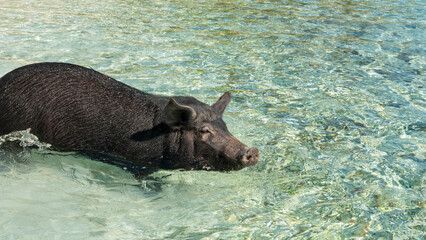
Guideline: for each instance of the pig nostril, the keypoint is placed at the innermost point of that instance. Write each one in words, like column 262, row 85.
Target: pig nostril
column 251, row 157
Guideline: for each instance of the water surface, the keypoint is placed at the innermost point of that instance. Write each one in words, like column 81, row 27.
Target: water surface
column 331, row 92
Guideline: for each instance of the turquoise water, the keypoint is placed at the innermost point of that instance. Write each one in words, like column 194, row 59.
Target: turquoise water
column 331, row 92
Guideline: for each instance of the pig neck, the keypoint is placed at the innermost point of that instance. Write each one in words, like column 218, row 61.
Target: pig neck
column 170, row 139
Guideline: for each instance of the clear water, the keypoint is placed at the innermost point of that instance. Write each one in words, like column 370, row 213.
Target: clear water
column 331, row 92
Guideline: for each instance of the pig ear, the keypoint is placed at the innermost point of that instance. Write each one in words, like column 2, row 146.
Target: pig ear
column 223, row 101
column 175, row 113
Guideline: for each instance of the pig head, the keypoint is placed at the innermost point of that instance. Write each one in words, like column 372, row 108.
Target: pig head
column 196, row 137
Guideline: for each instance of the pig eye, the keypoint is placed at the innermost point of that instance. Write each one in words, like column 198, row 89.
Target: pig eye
column 205, row 129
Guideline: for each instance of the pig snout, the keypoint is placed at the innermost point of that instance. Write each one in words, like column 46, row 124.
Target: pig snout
column 250, row 156
column 241, row 154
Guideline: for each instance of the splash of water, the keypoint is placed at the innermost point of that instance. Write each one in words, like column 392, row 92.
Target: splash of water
column 25, row 138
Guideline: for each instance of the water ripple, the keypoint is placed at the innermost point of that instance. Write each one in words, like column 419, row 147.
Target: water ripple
column 331, row 92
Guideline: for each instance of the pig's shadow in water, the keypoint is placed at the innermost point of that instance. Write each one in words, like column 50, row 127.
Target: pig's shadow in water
column 138, row 171
column 148, row 183
column 12, row 153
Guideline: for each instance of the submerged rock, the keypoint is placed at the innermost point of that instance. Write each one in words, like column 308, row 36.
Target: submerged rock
column 418, row 126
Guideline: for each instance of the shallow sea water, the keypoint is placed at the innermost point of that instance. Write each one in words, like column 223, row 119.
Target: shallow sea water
column 331, row 92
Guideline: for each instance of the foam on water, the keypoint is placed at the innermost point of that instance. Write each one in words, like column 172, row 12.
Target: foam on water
column 25, row 139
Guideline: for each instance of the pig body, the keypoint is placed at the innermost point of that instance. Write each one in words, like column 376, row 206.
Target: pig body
column 79, row 109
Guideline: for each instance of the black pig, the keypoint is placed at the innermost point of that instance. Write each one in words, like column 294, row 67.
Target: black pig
column 78, row 109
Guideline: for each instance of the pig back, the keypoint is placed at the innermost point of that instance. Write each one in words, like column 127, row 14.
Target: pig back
column 72, row 107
